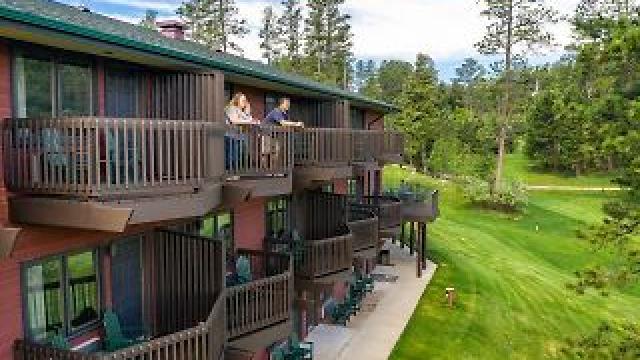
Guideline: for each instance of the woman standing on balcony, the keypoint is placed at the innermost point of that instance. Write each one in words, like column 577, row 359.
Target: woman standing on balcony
column 238, row 115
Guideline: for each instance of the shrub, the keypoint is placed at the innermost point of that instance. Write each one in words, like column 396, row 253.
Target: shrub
column 511, row 196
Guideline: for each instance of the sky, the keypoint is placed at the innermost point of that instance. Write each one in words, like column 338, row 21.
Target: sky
column 446, row 30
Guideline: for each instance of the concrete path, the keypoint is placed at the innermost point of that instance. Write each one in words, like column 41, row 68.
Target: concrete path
column 573, row 188
column 373, row 332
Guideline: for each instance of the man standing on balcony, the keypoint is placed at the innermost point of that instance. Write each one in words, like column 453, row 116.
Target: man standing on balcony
column 271, row 150
column 280, row 115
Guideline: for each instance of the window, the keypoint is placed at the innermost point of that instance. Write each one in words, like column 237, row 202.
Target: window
column 278, row 220
column 328, row 188
column 62, row 295
column 357, row 119
column 47, row 85
column 270, row 103
column 228, row 91
column 219, row 225
column 355, row 187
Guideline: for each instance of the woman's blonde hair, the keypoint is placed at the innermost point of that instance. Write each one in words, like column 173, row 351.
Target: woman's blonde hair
column 235, row 100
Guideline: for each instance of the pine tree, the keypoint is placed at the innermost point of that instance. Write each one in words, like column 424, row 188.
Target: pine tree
column 214, row 23
column 512, row 23
column 289, row 24
column 269, row 35
column 328, row 41
column 594, row 18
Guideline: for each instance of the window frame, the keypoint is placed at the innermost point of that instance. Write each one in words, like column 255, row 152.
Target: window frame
column 56, row 59
column 282, row 210
column 67, row 330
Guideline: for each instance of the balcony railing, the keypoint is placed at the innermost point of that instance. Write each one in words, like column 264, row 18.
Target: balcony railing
column 364, row 228
column 265, row 301
column 325, row 257
column 323, row 146
column 335, row 146
column 99, row 157
column 387, row 208
column 253, row 151
column 204, row 341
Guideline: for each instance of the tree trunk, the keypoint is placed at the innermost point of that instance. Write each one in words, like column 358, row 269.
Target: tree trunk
column 502, row 136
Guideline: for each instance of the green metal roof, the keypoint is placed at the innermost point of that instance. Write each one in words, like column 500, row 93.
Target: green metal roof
column 53, row 16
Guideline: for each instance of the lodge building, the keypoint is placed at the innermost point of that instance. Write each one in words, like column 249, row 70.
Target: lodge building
column 128, row 230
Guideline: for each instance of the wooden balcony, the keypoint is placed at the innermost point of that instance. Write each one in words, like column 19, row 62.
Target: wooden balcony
column 364, row 227
column 388, row 209
column 326, row 257
column 258, row 162
column 324, row 154
column 205, row 341
column 259, row 313
column 109, row 172
column 423, row 207
column 186, row 304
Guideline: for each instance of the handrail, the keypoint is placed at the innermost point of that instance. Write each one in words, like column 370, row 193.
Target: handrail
column 364, row 228
column 325, row 257
column 387, row 208
column 260, row 303
column 258, row 150
column 323, row 146
column 101, row 156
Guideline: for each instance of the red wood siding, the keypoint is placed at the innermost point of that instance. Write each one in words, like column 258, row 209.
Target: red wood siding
column 256, row 99
column 10, row 306
column 5, row 112
column 249, row 224
column 340, row 186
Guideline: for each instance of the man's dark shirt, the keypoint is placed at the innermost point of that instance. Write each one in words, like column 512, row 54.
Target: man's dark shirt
column 275, row 117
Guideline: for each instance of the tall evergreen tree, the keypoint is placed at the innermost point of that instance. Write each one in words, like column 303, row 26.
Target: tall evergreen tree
column 269, row 35
column 289, row 27
column 214, row 23
column 513, row 23
column 328, row 41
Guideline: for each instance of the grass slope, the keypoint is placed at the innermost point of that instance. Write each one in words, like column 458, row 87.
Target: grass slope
column 510, row 278
column 517, row 166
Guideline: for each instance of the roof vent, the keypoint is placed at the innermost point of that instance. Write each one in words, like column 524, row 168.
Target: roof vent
column 173, row 29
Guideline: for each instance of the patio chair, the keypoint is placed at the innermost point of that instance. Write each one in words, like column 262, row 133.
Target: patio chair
column 338, row 314
column 299, row 350
column 243, row 270
column 114, row 339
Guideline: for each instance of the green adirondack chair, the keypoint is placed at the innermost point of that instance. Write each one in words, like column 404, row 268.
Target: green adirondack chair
column 300, row 350
column 278, row 354
column 114, row 340
column 243, row 270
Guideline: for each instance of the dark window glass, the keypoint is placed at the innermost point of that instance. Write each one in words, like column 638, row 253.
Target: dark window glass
column 228, row 91
column 122, row 89
column 74, row 90
column 44, row 299
column 270, row 103
column 82, row 289
column 34, row 85
column 55, row 282
column 357, row 119
column 278, row 219
column 45, row 86
column 355, row 187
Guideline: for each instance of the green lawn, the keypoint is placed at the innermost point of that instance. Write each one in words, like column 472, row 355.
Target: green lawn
column 517, row 166
column 510, row 278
